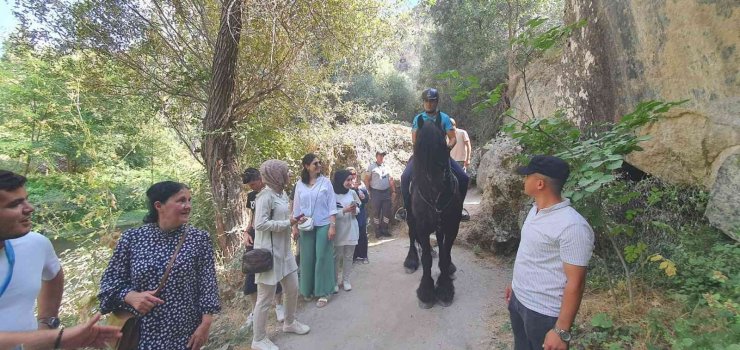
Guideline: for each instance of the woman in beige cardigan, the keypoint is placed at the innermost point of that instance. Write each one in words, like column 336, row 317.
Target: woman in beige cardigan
column 272, row 224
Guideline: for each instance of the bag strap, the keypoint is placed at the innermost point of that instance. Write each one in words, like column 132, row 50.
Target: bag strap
column 272, row 212
column 170, row 264
column 313, row 207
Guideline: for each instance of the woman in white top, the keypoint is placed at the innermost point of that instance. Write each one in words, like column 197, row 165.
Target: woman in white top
column 314, row 197
column 272, row 225
column 348, row 230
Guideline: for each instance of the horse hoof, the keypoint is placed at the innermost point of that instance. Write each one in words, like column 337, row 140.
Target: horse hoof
column 425, row 306
column 445, row 303
column 410, row 270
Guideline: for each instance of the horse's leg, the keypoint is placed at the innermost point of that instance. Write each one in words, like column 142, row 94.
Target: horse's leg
column 425, row 292
column 445, row 290
column 440, row 244
column 442, row 240
column 412, row 258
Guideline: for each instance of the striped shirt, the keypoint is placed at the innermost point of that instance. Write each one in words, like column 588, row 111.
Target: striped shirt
column 550, row 237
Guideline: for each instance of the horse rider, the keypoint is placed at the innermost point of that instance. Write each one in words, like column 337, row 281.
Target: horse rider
column 431, row 114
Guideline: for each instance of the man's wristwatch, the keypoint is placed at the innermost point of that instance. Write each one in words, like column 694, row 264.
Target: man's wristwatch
column 51, row 322
column 563, row 334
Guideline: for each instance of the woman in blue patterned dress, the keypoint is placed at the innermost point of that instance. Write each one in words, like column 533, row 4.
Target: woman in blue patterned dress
column 180, row 316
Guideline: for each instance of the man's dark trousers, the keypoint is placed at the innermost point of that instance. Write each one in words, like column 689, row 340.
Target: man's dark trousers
column 380, row 204
column 529, row 327
column 462, row 178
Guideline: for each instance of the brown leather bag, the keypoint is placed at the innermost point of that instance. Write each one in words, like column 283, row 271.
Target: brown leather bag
column 257, row 260
column 131, row 324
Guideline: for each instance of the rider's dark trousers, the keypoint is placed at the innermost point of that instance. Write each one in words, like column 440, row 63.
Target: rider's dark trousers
column 462, row 179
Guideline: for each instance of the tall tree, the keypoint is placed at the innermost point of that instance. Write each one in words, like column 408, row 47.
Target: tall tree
column 213, row 65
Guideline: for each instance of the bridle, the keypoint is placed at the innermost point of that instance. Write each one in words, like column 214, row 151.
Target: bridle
column 434, row 204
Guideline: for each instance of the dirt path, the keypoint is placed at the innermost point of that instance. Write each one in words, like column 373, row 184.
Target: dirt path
column 381, row 311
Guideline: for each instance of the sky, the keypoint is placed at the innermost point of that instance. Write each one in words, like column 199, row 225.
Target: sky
column 7, row 20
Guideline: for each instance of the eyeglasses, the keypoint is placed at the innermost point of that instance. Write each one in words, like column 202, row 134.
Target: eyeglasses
column 318, row 162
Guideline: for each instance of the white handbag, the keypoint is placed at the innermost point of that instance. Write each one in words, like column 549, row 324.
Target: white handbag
column 306, row 225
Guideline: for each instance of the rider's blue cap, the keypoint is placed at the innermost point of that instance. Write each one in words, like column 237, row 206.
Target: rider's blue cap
column 430, row 94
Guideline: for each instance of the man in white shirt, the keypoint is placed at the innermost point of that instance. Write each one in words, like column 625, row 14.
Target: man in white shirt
column 463, row 150
column 550, row 266
column 382, row 194
column 29, row 268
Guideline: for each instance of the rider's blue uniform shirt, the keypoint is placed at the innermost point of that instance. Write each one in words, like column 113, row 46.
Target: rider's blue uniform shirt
column 446, row 122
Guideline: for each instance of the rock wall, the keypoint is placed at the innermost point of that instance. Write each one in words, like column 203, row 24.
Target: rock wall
column 632, row 51
column 723, row 210
column 639, row 50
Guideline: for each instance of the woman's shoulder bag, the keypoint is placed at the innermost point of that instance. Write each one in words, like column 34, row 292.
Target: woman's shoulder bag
column 258, row 260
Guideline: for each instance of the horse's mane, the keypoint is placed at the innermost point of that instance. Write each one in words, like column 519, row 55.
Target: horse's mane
column 430, row 152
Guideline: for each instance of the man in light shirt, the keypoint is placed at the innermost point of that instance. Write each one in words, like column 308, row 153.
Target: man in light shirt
column 462, row 151
column 29, row 268
column 382, row 193
column 550, row 266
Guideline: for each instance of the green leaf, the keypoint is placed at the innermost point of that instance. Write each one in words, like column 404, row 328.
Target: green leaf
column 602, row 320
column 614, row 165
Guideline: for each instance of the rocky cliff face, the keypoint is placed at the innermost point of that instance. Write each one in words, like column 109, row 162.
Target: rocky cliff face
column 632, row 51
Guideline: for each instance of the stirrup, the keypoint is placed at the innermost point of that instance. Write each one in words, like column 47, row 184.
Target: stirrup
column 400, row 214
column 465, row 215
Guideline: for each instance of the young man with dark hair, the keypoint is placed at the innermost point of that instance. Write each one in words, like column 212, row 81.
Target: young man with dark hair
column 29, row 268
column 550, row 266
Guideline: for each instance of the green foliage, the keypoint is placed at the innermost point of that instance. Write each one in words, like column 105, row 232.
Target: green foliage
column 602, row 320
column 533, row 41
column 389, row 90
column 473, row 39
column 83, row 269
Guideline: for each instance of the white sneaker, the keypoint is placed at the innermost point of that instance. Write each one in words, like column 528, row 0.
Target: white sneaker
column 347, row 286
column 264, row 344
column 336, row 288
column 250, row 321
column 280, row 312
column 296, row 327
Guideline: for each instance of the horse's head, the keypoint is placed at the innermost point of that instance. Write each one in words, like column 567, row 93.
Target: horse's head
column 431, row 155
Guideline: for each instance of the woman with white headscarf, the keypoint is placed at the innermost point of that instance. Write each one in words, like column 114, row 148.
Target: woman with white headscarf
column 272, row 223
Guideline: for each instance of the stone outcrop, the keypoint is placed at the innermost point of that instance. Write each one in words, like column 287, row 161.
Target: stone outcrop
column 503, row 208
column 356, row 146
column 723, row 210
column 632, row 51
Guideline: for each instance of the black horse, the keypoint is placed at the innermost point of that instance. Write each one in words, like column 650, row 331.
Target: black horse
column 436, row 206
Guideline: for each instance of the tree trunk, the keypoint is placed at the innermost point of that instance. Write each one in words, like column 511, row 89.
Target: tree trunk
column 219, row 146
column 512, row 18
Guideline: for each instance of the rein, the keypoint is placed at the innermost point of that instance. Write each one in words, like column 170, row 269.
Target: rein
column 433, row 204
